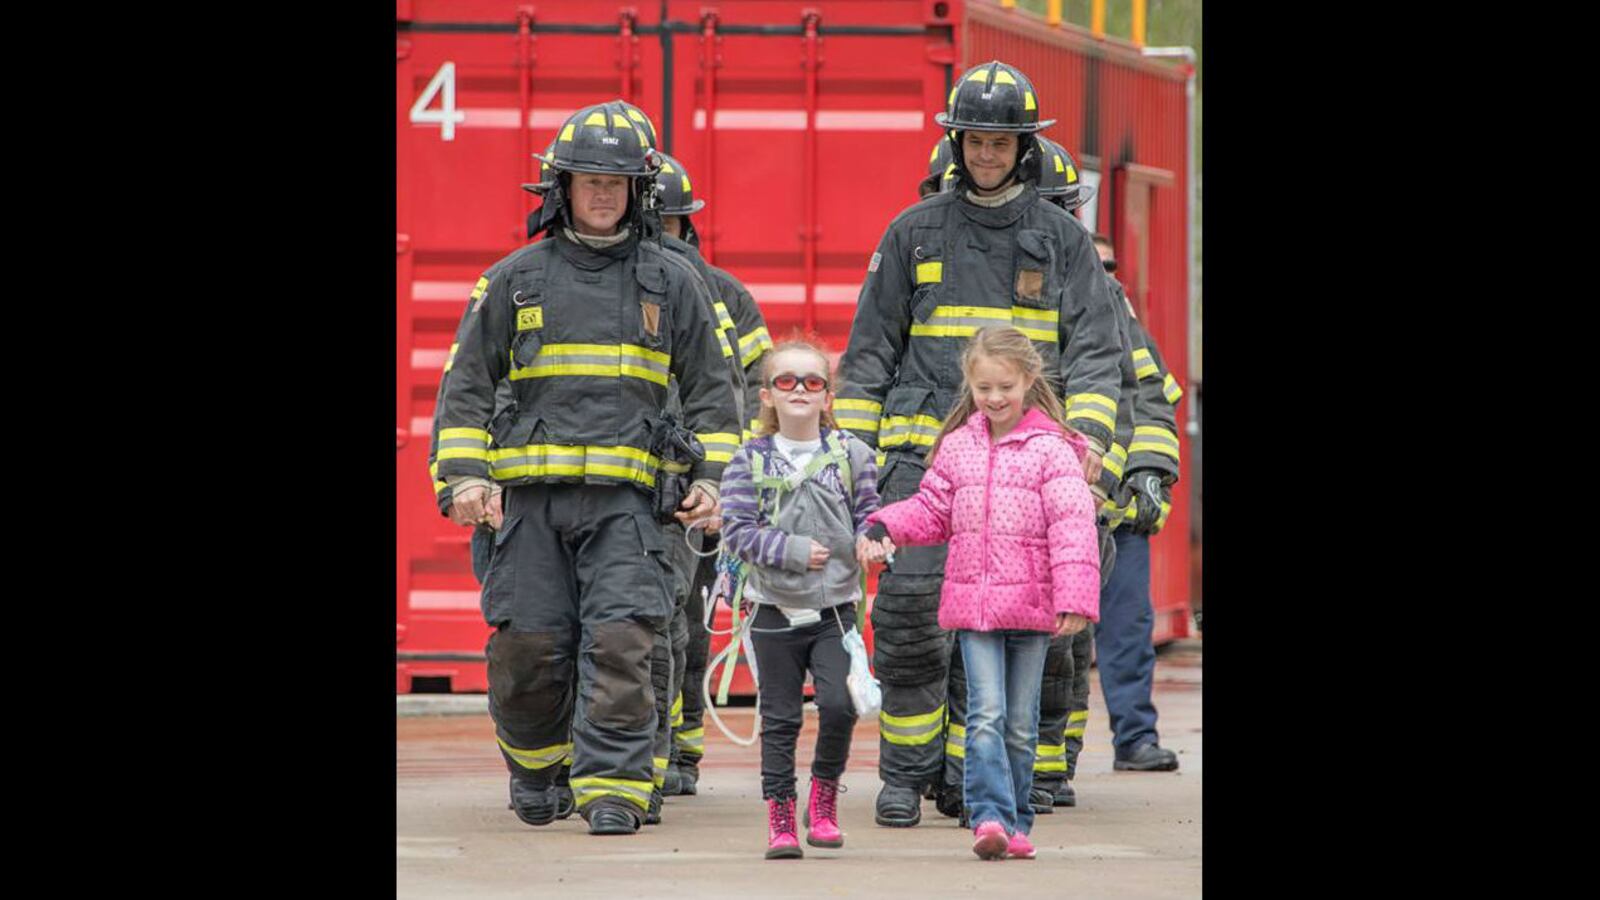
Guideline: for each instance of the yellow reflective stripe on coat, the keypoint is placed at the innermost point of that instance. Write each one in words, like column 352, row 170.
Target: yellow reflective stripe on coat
column 1154, row 439
column 540, row 758
column 719, row 447
column 462, row 443
column 911, row 730
column 862, row 415
column 604, row 360
column 1143, row 365
column 919, row 430
column 1094, row 407
column 588, row 790
column 547, row 460
column 723, row 319
column 1170, row 389
column 964, row 321
column 450, row 358
column 1115, row 460
column 479, row 289
column 752, row 345
column 433, row 473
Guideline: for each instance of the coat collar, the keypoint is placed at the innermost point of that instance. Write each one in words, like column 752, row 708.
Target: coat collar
column 1033, row 422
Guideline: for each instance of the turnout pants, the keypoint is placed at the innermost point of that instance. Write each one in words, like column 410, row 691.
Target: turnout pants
column 666, row 660
column 689, row 739
column 911, row 654
column 576, row 590
column 1078, row 718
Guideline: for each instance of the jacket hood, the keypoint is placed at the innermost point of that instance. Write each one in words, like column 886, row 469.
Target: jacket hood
column 1034, row 422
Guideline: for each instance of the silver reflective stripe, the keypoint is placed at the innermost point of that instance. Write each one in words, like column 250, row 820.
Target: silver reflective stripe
column 910, row 730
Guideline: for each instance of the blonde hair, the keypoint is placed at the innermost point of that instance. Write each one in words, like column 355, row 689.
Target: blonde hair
column 769, row 413
column 1008, row 345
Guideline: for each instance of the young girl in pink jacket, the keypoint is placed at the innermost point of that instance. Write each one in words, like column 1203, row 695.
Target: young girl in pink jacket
column 1005, row 488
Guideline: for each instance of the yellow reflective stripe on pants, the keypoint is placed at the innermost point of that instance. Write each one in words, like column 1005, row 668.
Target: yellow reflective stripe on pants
column 955, row 741
column 911, row 730
column 542, row 460
column 1154, row 439
column 1094, row 407
column 897, row 430
column 658, row 769
column 1170, row 389
column 1050, row 758
column 603, row 360
column 588, row 790
column 539, row 758
column 693, row 739
column 675, row 712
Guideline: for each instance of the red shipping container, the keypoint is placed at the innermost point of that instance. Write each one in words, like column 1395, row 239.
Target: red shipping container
column 805, row 126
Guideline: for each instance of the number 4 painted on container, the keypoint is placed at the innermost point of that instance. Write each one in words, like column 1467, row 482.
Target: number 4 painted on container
column 446, row 115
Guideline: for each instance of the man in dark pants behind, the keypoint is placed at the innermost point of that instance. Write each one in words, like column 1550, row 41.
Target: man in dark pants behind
column 1123, row 637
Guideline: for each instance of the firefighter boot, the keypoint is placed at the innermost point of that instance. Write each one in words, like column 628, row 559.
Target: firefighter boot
column 672, row 784
column 1065, row 795
column 1042, row 801
column 822, row 814
column 949, row 799
column 898, row 807
column 611, row 815
column 688, row 778
column 653, row 815
column 565, row 802
column 533, row 798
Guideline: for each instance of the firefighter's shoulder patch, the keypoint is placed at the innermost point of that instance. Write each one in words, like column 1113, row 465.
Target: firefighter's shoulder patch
column 530, row 317
column 872, row 265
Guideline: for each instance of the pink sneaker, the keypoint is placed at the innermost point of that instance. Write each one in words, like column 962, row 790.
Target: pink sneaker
column 781, row 840
column 990, row 840
column 822, row 814
column 1020, row 847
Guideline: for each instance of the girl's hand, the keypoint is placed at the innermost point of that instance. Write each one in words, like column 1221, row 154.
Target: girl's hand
column 1070, row 623
column 819, row 555
column 865, row 552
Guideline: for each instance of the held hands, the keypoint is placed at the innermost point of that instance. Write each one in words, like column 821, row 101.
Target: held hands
column 1070, row 623
column 1091, row 467
column 698, row 505
column 869, row 551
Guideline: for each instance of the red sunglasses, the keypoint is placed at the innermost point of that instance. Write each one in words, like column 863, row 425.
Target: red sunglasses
column 788, row 380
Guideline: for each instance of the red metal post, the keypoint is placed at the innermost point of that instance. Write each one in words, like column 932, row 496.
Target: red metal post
column 809, row 237
column 525, row 124
column 708, row 73
column 628, row 47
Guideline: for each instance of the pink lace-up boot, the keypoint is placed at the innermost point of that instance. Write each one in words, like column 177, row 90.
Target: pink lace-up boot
column 989, row 840
column 781, row 840
column 822, row 814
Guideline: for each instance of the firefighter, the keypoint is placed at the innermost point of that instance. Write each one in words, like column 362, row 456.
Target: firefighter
column 746, row 332
column 1123, row 640
column 587, row 326
column 988, row 251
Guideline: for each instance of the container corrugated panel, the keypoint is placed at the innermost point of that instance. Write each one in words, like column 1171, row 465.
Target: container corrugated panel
column 1123, row 115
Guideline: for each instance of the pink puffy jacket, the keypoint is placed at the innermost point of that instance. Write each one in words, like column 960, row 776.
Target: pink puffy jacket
column 1019, row 520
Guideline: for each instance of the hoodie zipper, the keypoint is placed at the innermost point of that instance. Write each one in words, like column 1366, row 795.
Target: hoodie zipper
column 988, row 484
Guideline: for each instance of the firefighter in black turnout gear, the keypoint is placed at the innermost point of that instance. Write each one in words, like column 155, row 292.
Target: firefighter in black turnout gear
column 587, row 327
column 989, row 251
column 745, row 340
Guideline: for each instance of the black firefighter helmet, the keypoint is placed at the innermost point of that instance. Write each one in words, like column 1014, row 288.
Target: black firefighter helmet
column 603, row 140
column 993, row 97
column 1058, row 176
column 675, row 194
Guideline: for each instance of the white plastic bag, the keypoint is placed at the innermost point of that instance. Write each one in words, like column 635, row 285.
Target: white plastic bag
column 865, row 695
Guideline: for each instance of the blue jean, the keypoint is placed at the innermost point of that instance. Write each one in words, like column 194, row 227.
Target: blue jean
column 1122, row 644
column 1004, row 670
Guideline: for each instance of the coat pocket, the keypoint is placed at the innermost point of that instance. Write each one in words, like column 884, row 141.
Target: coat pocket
column 1037, row 283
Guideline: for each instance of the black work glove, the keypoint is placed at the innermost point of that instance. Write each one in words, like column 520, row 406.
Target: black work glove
column 1151, row 493
column 876, row 532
